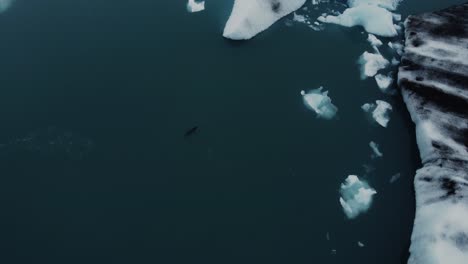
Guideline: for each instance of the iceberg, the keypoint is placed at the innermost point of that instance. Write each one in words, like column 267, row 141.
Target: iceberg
column 374, row 41
column 433, row 78
column 356, row 196
column 194, row 6
column 320, row 103
column 371, row 63
column 384, row 81
column 376, row 153
column 380, row 111
column 374, row 19
column 250, row 17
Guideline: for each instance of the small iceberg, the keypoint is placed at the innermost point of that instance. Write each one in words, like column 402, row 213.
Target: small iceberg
column 376, row 153
column 356, row 196
column 395, row 177
column 195, row 6
column 320, row 103
column 380, row 111
column 371, row 63
column 373, row 17
column 374, row 41
column 384, row 81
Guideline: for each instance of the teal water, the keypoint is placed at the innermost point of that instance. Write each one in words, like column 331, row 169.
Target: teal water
column 95, row 99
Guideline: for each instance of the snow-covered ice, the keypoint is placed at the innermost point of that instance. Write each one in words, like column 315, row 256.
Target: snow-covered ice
column 384, row 81
column 380, row 111
column 320, row 103
column 250, row 17
column 356, row 196
column 195, row 6
column 376, row 153
column 371, row 63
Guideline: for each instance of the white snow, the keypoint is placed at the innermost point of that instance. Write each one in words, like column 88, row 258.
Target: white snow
column 250, row 17
column 384, row 81
column 371, row 63
column 374, row 16
column 195, row 6
column 380, row 111
column 376, row 153
column 356, row 196
column 320, row 103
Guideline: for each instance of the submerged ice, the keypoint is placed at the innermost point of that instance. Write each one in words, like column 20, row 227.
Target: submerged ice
column 320, row 103
column 356, row 196
column 250, row 17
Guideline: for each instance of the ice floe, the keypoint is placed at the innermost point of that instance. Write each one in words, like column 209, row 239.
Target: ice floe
column 195, row 6
column 380, row 111
column 375, row 16
column 384, row 81
column 371, row 63
column 356, row 196
column 374, row 41
column 250, row 17
column 320, row 103
column 376, row 153
column 397, row 47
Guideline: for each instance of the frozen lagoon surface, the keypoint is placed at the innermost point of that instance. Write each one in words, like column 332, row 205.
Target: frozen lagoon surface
column 258, row 183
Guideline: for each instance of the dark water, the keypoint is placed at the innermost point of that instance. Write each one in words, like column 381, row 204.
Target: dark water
column 95, row 98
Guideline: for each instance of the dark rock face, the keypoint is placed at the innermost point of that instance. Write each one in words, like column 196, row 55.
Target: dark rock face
column 433, row 78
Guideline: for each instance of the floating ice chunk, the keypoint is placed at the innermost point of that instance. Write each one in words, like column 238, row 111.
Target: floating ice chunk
column 395, row 62
column 360, row 244
column 195, row 6
column 371, row 63
column 376, row 153
column 356, row 196
column 380, row 111
column 320, row 103
column 300, row 18
column 374, row 41
column 395, row 177
column 384, row 81
column 387, row 4
column 397, row 47
column 396, row 17
column 374, row 19
column 250, row 17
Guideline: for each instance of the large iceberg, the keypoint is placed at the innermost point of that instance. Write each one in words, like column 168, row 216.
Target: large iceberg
column 356, row 196
column 373, row 15
column 250, row 17
column 320, row 103
column 433, row 78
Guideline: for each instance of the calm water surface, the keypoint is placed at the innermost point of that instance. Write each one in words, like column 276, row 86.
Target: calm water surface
column 95, row 99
